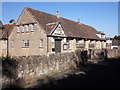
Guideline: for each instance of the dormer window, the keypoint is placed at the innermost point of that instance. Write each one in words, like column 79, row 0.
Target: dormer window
column 22, row 28
column 100, row 34
column 103, row 36
column 26, row 27
column 32, row 27
column 18, row 29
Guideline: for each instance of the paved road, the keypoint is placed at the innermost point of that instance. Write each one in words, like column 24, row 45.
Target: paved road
column 101, row 75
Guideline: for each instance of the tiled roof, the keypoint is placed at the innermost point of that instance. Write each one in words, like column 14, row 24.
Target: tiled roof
column 71, row 28
column 6, row 28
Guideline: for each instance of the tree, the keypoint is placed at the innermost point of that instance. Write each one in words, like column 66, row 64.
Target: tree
column 116, row 37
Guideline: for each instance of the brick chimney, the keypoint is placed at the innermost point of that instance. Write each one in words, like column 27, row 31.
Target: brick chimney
column 58, row 14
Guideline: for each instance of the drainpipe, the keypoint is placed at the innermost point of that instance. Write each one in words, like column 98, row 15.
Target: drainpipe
column 47, row 44
column 7, row 45
column 47, row 39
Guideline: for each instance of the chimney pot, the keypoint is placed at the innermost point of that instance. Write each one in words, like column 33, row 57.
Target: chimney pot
column 58, row 14
column 78, row 21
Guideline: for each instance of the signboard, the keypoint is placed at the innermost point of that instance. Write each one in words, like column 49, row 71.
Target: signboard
column 109, row 43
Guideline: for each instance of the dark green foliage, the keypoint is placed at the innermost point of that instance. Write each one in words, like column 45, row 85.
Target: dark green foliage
column 116, row 37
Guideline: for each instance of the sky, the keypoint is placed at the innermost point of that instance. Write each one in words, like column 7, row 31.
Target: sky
column 103, row 16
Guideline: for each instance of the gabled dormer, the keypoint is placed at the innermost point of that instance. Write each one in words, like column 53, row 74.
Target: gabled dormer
column 101, row 34
column 57, row 30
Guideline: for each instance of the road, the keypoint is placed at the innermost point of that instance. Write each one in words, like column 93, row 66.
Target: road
column 105, row 74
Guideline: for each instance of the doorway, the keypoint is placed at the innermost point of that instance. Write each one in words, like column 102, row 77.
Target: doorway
column 57, row 45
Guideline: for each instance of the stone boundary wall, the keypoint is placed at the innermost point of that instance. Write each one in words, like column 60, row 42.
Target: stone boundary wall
column 103, row 53
column 113, row 53
column 25, row 70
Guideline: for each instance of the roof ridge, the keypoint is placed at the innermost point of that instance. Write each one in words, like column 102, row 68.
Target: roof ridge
column 50, row 14
column 39, row 11
column 8, row 24
column 67, row 23
column 70, row 20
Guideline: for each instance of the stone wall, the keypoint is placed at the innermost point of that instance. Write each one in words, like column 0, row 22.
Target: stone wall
column 113, row 53
column 25, row 70
column 97, row 54
column 29, row 69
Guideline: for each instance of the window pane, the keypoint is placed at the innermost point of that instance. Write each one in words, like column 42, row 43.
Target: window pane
column 25, row 43
column 77, row 42
column 18, row 29
column 4, row 44
column 22, row 28
column 32, row 27
column 26, row 26
column 41, row 42
column 68, row 44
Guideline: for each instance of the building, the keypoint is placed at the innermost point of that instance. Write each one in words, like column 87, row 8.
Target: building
column 108, row 43
column 115, row 44
column 38, row 33
column 5, row 32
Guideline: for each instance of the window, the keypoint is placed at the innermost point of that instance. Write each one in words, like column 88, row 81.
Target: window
column 102, row 36
column 32, row 27
column 18, row 29
column 41, row 43
column 26, row 27
column 4, row 44
column 84, row 43
column 77, row 42
column 25, row 43
column 22, row 29
column 92, row 44
column 12, row 43
column 68, row 44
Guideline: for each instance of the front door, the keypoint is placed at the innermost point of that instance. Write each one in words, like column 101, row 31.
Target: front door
column 57, row 45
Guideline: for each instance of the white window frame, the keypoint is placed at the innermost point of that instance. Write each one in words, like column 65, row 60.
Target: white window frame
column 18, row 29
column 27, row 28
column 68, row 42
column 77, row 42
column 41, row 43
column 22, row 28
column 32, row 27
column 85, row 43
column 4, row 46
column 26, row 43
